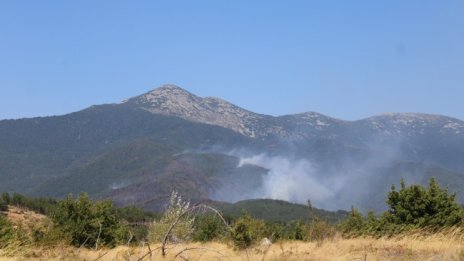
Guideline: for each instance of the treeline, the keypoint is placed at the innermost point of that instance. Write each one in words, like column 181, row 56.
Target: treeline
column 40, row 205
column 411, row 208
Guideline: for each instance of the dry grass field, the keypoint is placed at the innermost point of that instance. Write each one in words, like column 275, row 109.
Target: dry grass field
column 412, row 247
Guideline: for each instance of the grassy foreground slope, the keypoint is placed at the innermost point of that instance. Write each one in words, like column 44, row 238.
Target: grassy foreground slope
column 413, row 247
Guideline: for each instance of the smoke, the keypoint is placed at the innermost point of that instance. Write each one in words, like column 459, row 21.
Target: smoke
column 290, row 180
column 299, row 180
column 340, row 183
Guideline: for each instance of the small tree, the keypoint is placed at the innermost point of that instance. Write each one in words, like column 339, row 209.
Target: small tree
column 247, row 231
column 354, row 223
column 86, row 222
column 419, row 206
column 241, row 232
column 208, row 227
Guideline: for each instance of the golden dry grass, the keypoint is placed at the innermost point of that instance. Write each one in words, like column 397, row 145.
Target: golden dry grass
column 412, row 247
column 23, row 218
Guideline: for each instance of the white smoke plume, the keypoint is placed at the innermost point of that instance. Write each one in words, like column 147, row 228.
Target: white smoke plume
column 294, row 181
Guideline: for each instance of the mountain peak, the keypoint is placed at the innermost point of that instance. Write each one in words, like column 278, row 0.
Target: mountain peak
column 169, row 88
column 163, row 96
column 168, row 91
column 172, row 100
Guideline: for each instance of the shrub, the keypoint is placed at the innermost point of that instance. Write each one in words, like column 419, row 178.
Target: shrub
column 410, row 208
column 208, row 227
column 247, row 231
column 354, row 224
column 415, row 205
column 321, row 230
column 87, row 223
column 6, row 231
column 241, row 232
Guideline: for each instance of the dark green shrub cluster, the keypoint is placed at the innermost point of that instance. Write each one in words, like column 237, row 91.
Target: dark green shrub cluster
column 88, row 223
column 412, row 207
column 209, row 227
column 245, row 231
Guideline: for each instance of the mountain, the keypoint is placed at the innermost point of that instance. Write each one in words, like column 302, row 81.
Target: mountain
column 138, row 150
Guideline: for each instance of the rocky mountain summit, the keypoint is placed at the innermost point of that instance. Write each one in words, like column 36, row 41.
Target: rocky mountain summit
column 172, row 100
column 175, row 101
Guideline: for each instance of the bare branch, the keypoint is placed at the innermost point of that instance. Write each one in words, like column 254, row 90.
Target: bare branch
column 98, row 237
column 148, row 253
column 198, row 248
column 101, row 255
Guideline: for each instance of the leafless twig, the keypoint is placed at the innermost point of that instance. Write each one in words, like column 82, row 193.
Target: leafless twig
column 98, row 237
column 100, row 256
column 81, row 246
column 148, row 253
column 198, row 248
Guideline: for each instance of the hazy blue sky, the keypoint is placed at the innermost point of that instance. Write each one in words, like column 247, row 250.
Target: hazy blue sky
column 346, row 59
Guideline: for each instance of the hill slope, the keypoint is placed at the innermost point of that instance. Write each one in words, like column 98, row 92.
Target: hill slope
column 138, row 150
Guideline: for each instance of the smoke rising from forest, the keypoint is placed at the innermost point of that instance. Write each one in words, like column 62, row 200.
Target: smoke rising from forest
column 295, row 179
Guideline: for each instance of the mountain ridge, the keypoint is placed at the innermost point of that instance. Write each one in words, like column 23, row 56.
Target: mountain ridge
column 130, row 151
column 172, row 100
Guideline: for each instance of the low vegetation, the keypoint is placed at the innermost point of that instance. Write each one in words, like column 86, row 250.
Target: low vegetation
column 415, row 213
column 411, row 208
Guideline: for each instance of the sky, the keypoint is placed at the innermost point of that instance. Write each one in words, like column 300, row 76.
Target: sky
column 345, row 59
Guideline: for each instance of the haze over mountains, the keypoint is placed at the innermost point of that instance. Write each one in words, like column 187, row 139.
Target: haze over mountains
column 137, row 151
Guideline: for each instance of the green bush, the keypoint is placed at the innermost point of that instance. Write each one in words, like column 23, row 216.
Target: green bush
column 416, row 205
column 208, row 227
column 246, row 231
column 6, row 231
column 412, row 207
column 241, row 232
column 88, row 223
column 354, row 224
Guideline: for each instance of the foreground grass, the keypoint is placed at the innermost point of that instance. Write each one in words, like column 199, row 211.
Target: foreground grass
column 412, row 247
